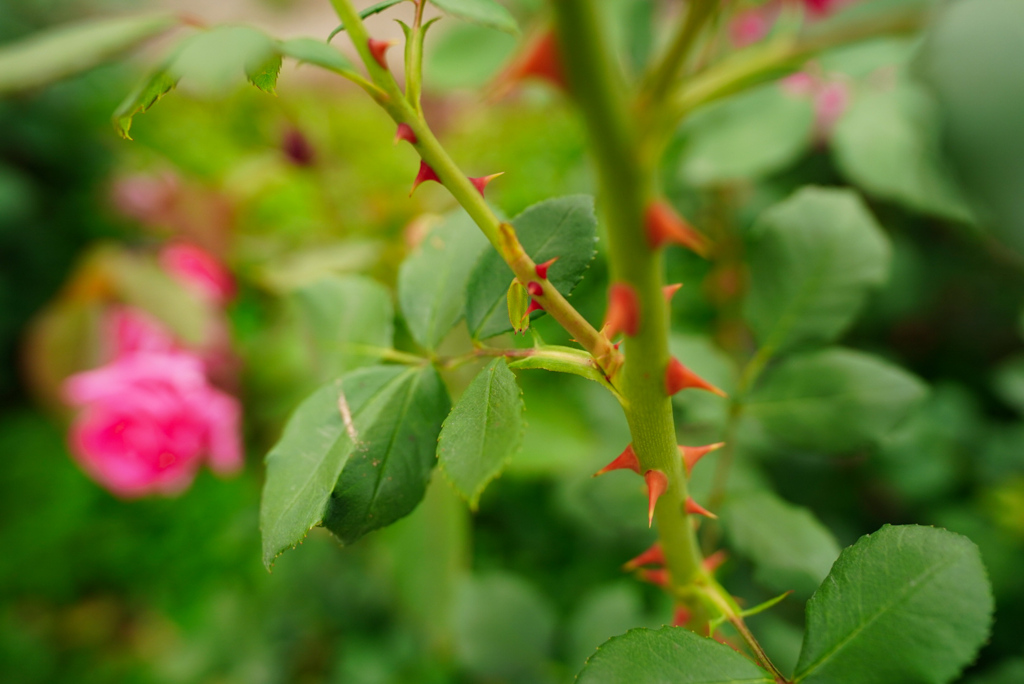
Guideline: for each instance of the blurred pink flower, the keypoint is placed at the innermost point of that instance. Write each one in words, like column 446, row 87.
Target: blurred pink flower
column 750, row 26
column 130, row 330
column 200, row 271
column 149, row 419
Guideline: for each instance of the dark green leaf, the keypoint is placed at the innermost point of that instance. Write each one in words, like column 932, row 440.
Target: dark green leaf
column 365, row 416
column 905, row 604
column 314, row 52
column 343, row 314
column 564, row 227
column 66, row 50
column 790, row 548
column 265, row 75
column 484, row 12
column 834, row 399
column 503, row 628
column 887, row 143
column 483, row 431
column 141, row 99
column 813, row 259
column 746, row 136
column 386, row 475
column 368, row 12
column 432, row 280
column 670, row 655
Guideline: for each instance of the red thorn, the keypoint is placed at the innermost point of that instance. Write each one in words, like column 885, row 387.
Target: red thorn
column 681, row 617
column 652, row 556
column 481, row 182
column 715, row 560
column 679, row 377
column 423, row 175
column 670, row 291
column 378, row 48
column 623, row 313
column 693, row 454
column 534, row 306
column 405, row 133
column 539, row 59
column 542, row 269
column 617, row 345
column 665, row 226
column 693, row 508
column 657, row 576
column 627, row 459
column 657, row 483
column 535, row 289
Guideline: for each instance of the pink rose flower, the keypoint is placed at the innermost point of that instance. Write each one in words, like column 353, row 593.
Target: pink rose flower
column 200, row 271
column 149, row 420
column 130, row 330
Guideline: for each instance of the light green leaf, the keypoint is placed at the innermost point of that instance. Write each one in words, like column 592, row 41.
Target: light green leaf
column 141, row 99
column 215, row 60
column 747, row 136
column 503, row 628
column 484, row 12
column 603, row 613
column 386, row 414
column 813, row 259
column 315, row 52
column 563, row 360
column 432, row 280
column 670, row 655
column 387, row 475
column 466, row 56
column 790, row 548
column 483, row 432
column 345, row 318
column 905, row 604
column 73, row 48
column 265, row 75
column 564, row 227
column 887, row 143
column 834, row 400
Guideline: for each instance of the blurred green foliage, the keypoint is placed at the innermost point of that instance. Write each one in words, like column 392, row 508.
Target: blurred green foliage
column 93, row 589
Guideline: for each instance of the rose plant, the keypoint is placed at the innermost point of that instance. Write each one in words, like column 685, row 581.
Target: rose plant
column 904, row 604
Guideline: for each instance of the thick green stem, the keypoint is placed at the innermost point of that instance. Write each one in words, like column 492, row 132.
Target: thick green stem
column 501, row 235
column 625, row 191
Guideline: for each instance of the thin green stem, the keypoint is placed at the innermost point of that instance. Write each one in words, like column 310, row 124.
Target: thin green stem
column 501, row 235
column 664, row 75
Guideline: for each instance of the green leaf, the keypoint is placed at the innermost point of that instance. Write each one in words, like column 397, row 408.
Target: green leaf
column 834, row 400
column 670, row 655
column 484, row 12
column 368, row 12
column 887, row 143
column 813, row 259
column 73, row 48
column 564, row 227
column 466, row 56
column 747, row 136
column 503, row 628
column 563, row 360
column 141, row 99
column 905, row 604
column 265, row 75
column 215, row 60
column 603, row 613
column 342, row 314
column 432, row 280
column 315, row 52
column 483, row 431
column 368, row 415
column 386, row 477
column 790, row 548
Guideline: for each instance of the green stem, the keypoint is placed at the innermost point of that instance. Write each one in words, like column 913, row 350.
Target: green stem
column 664, row 75
column 501, row 235
column 625, row 191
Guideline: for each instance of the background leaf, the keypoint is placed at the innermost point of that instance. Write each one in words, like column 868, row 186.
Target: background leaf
column 564, row 227
column 387, row 474
column 789, row 546
column 905, row 604
column 145, row 95
column 304, row 466
column 670, row 655
column 483, row 431
column 432, row 280
column 834, row 400
column 73, row 48
column 484, row 12
column 341, row 313
column 316, row 52
column 813, row 258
